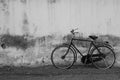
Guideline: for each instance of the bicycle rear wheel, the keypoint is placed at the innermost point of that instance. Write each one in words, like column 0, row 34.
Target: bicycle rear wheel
column 63, row 57
column 103, row 57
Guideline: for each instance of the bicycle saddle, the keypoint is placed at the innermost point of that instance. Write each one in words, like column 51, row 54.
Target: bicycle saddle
column 93, row 37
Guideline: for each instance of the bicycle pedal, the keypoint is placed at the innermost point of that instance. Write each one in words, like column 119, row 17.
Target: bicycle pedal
column 86, row 59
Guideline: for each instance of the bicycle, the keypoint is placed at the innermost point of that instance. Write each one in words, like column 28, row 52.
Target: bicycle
column 65, row 55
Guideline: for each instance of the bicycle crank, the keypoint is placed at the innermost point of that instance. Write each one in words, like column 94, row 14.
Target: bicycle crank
column 95, row 57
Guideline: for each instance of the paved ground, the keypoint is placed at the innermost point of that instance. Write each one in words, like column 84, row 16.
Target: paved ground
column 78, row 72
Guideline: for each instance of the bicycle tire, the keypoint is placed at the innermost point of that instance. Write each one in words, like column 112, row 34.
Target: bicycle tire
column 99, row 65
column 63, row 65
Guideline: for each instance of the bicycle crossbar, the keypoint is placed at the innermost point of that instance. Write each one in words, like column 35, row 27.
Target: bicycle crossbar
column 83, row 40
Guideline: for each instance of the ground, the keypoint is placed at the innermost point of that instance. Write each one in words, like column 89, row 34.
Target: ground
column 77, row 72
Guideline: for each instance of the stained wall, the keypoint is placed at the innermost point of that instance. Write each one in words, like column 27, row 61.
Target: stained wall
column 41, row 17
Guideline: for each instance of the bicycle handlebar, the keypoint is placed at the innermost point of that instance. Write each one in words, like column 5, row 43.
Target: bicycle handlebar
column 73, row 31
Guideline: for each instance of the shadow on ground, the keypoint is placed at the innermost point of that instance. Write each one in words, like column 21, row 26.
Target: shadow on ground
column 51, row 71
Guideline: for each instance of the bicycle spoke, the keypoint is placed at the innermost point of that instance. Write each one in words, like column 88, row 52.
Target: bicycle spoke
column 106, row 64
column 107, row 53
column 63, row 58
column 108, row 57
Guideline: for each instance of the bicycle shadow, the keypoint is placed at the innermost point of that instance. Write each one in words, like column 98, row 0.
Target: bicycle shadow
column 83, row 66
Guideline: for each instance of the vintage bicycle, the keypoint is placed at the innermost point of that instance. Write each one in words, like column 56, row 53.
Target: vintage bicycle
column 100, row 53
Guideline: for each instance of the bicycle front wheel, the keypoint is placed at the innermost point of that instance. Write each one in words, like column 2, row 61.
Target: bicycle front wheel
column 63, row 57
column 103, row 57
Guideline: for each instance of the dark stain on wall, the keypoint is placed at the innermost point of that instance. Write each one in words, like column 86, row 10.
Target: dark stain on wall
column 16, row 41
column 4, row 5
column 2, row 1
column 23, row 1
column 25, row 21
column 25, row 27
column 51, row 1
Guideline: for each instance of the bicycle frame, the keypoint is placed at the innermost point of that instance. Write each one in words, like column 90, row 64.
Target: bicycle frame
column 92, row 44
